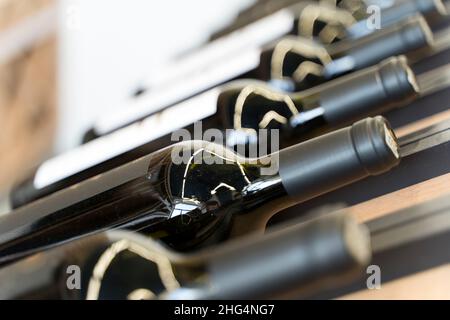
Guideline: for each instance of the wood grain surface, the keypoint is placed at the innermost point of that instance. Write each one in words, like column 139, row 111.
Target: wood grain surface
column 412, row 195
column 27, row 97
column 402, row 199
column 423, row 123
column 427, row 285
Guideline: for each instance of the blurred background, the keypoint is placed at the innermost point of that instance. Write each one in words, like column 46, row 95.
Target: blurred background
column 64, row 63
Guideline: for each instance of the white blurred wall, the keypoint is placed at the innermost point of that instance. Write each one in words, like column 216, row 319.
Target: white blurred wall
column 109, row 46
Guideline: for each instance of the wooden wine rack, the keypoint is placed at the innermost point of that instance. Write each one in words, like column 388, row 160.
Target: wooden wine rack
column 420, row 179
column 28, row 118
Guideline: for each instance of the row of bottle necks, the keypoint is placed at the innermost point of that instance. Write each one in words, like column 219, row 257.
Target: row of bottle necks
column 172, row 198
column 335, row 97
column 244, row 107
column 191, row 204
column 191, row 207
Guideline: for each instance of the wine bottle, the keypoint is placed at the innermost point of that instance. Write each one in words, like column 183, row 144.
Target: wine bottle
column 269, row 64
column 302, row 258
column 315, row 112
column 364, row 17
column 312, row 112
column 232, row 56
column 434, row 11
column 194, row 194
column 309, row 64
column 331, row 20
column 340, row 101
column 315, row 15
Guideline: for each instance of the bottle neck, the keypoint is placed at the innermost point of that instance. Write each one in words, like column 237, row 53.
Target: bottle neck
column 186, row 203
column 306, row 122
column 402, row 38
column 387, row 85
column 312, row 115
column 310, row 64
column 258, row 268
column 263, row 190
column 366, row 148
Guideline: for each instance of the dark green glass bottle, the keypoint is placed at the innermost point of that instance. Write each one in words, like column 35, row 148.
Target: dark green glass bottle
column 194, row 194
column 121, row 265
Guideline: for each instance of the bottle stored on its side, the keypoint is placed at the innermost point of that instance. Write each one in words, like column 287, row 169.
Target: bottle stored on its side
column 194, row 194
column 312, row 112
column 236, row 55
column 301, row 259
column 434, row 11
column 292, row 64
column 341, row 19
column 311, row 18
column 243, row 108
column 299, row 64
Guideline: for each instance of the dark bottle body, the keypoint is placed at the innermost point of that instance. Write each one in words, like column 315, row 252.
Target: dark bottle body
column 311, row 113
column 121, row 265
column 245, row 111
column 187, row 205
column 110, row 266
column 302, row 64
column 245, row 107
column 204, row 196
